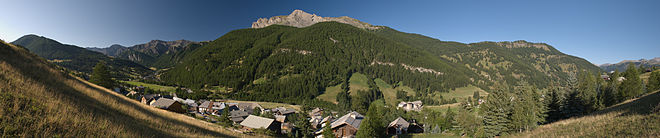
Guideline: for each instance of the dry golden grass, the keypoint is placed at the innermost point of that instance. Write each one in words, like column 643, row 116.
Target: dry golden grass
column 40, row 101
column 632, row 118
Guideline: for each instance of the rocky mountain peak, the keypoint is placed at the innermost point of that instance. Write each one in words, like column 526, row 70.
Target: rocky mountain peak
column 299, row 18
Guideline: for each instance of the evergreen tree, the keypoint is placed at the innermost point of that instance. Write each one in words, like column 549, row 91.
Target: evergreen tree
column 327, row 130
column 528, row 109
column 612, row 90
column 631, row 86
column 553, row 102
column 448, row 119
column 476, row 97
column 372, row 126
column 496, row 112
column 573, row 104
column 587, row 91
column 304, row 128
column 360, row 103
column 403, row 95
column 257, row 111
column 344, row 100
column 468, row 122
column 654, row 81
column 224, row 118
column 101, row 76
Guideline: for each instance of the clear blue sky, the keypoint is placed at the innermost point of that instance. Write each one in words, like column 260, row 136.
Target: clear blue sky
column 601, row 31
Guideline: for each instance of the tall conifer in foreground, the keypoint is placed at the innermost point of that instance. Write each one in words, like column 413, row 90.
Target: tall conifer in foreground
column 101, row 76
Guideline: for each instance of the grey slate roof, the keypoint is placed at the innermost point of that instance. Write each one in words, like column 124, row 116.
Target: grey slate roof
column 238, row 113
column 353, row 118
column 400, row 122
column 257, row 122
column 205, row 104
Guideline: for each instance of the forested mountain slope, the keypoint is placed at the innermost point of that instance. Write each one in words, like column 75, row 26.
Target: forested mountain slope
column 299, row 63
column 156, row 53
column 77, row 58
column 39, row 100
column 489, row 62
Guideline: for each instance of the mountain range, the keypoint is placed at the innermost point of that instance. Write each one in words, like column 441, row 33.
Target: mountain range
column 300, row 55
column 156, row 53
column 76, row 58
column 621, row 66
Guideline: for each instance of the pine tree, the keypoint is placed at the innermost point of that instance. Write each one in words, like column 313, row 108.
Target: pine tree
column 528, row 110
column 344, row 100
column 448, row 119
column 587, row 91
column 224, row 118
column 468, row 122
column 553, row 102
column 327, row 130
column 101, row 76
column 476, row 97
column 496, row 112
column 256, row 111
column 612, row 90
column 372, row 126
column 573, row 104
column 631, row 86
column 654, row 81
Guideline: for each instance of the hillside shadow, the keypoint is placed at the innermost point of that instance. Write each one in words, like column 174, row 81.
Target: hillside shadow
column 30, row 66
column 640, row 106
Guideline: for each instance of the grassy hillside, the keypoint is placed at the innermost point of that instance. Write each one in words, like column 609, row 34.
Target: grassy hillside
column 632, row 118
column 152, row 86
column 462, row 93
column 41, row 101
column 79, row 59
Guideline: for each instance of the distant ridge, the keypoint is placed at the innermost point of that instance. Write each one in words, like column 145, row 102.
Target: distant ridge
column 155, row 53
column 77, row 58
column 621, row 66
column 299, row 18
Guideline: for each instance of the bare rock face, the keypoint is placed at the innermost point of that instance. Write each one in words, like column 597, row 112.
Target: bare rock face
column 299, row 18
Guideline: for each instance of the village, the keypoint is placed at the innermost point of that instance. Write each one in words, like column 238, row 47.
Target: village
column 250, row 117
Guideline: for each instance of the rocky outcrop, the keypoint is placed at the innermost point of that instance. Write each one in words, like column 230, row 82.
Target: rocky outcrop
column 299, row 18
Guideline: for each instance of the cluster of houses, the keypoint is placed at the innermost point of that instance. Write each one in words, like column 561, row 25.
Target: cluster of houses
column 348, row 125
column 242, row 113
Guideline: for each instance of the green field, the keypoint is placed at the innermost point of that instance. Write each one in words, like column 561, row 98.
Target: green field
column 462, row 93
column 442, row 108
column 645, row 76
column 151, row 86
column 268, row 105
column 357, row 82
column 330, row 94
column 389, row 93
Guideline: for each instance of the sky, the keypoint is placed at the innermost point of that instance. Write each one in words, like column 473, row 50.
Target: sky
column 601, row 31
